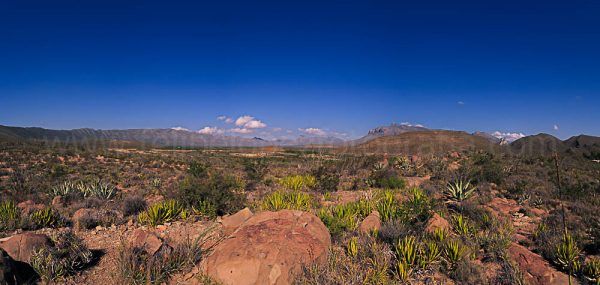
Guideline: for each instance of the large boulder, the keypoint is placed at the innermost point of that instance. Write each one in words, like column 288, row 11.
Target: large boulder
column 536, row 271
column 22, row 246
column 269, row 248
column 28, row 207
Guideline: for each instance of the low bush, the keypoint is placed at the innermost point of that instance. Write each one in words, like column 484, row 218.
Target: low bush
column 10, row 216
column 46, row 218
column 222, row 191
column 136, row 266
column 68, row 255
column 134, row 205
column 298, row 182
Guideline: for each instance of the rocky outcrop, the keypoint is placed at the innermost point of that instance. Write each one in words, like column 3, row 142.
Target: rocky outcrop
column 148, row 241
column 269, row 248
column 536, row 271
column 371, row 223
column 28, row 207
column 22, row 246
column 232, row 222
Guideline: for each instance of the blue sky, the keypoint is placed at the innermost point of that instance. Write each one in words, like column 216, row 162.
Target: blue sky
column 341, row 67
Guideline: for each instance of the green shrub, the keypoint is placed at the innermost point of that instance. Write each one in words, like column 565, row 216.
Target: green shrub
column 454, row 252
column 205, row 209
column 345, row 217
column 222, row 191
column 327, row 180
column 163, row 212
column 387, row 179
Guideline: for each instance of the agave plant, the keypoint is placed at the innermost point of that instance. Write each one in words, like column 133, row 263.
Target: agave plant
column 64, row 189
column 429, row 253
column 567, row 254
column 99, row 189
column 461, row 225
column 460, row 190
column 9, row 211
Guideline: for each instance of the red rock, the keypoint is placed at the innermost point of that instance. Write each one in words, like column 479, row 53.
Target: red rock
column 371, row 223
column 22, row 246
column 536, row 271
column 58, row 201
column 28, row 207
column 269, row 248
column 147, row 240
column 232, row 222
column 436, row 222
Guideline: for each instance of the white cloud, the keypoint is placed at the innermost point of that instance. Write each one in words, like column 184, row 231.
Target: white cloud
column 180, row 129
column 210, row 131
column 255, row 124
column 313, row 131
column 277, row 129
column 460, row 103
column 226, row 119
column 241, row 131
column 243, row 120
column 510, row 137
column 556, row 128
column 249, row 122
column 411, row 125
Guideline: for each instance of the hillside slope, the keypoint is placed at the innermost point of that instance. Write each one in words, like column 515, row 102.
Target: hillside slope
column 423, row 142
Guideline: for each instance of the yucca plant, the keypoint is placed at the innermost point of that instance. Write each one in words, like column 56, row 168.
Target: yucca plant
column 46, row 218
column 454, row 252
column 163, row 212
column 567, row 254
column 440, row 234
column 429, row 253
column 403, row 270
column 9, row 211
column 206, row 209
column 387, row 207
column 291, row 200
column 461, row 225
column 406, row 250
column 297, row 182
column 591, row 271
column 352, row 247
column 460, row 190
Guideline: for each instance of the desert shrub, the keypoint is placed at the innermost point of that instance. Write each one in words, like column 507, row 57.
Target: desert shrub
column 327, row 179
column 294, row 200
column 134, row 205
column 386, row 178
column 255, row 169
column 136, row 266
column 68, row 255
column 163, row 212
column 466, row 272
column 393, row 230
column 197, row 169
column 509, row 274
column 222, row 191
column 46, row 218
column 486, row 167
column 416, row 209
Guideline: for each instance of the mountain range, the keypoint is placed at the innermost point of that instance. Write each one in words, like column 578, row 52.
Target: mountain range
column 395, row 138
